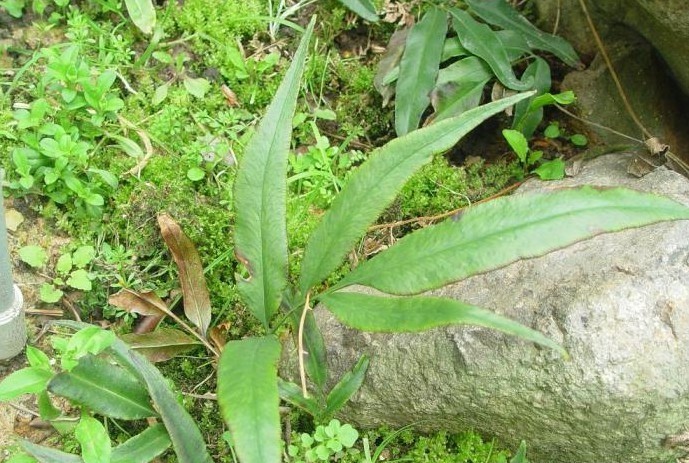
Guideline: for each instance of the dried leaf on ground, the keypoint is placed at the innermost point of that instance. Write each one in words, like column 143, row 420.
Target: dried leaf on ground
column 161, row 344
column 197, row 304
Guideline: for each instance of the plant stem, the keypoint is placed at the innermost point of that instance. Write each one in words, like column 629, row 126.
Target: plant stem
column 300, row 341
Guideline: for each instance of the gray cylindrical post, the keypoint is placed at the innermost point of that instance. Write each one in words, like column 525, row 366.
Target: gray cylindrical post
column 12, row 328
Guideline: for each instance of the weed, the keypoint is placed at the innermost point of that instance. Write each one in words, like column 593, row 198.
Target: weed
column 529, row 159
column 58, row 143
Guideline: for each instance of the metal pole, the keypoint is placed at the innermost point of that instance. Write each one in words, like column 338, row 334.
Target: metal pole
column 12, row 328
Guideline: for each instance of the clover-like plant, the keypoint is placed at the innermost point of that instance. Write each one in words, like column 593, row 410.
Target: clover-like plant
column 485, row 237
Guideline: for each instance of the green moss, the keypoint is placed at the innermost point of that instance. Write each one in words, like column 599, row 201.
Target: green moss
column 220, row 20
column 440, row 188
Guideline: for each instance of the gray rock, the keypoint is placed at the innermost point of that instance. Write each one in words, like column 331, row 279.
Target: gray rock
column 618, row 302
column 664, row 23
column 648, row 43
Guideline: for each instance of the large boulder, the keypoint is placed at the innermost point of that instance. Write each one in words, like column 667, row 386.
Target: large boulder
column 619, row 303
column 664, row 23
column 648, row 44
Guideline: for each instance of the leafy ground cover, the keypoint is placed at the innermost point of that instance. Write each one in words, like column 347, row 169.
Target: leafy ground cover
column 123, row 141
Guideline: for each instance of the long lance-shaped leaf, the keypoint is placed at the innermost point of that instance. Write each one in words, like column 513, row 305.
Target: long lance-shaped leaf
column 293, row 394
column 348, row 385
column 143, row 447
column 48, row 454
column 459, row 87
column 186, row 437
column 106, row 389
column 419, row 69
column 248, row 397
column 260, row 191
column 500, row 232
column 398, row 314
column 363, row 8
column 483, row 42
column 373, row 186
column 197, row 303
column 502, row 14
column 526, row 120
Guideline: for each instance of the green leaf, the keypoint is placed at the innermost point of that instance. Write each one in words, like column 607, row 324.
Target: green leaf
column 48, row 454
column 493, row 234
column 129, row 146
column 563, row 98
column 291, row 393
column 248, row 398
column 49, row 293
column 417, row 313
column 195, row 174
column 579, row 140
column 46, row 409
column 348, row 385
column 21, row 458
column 483, row 42
column 105, row 388
column 526, row 119
column 108, row 177
column 185, row 435
column 514, row 44
column 551, row 170
column 83, row 256
column 260, row 191
column 35, row 256
column 363, row 8
column 30, row 380
column 143, row 447
column 374, row 184
column 419, row 69
column 160, row 94
column 64, row 264
column 520, row 456
column 517, row 142
column 94, row 440
column 197, row 87
column 459, row 87
column 552, row 131
column 502, row 14
column 37, row 358
column 142, row 13
column 79, row 279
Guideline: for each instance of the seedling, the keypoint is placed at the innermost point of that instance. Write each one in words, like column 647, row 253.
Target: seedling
column 70, row 270
column 530, row 160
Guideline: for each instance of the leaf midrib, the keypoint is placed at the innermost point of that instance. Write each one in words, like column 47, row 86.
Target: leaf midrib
column 443, row 250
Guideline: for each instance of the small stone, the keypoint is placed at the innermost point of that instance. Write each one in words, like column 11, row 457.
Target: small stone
column 13, row 219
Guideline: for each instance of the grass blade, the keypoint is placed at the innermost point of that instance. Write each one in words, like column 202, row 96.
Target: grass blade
column 261, row 195
column 373, row 186
column 497, row 233
column 249, row 400
column 502, row 14
column 419, row 69
column 398, row 314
